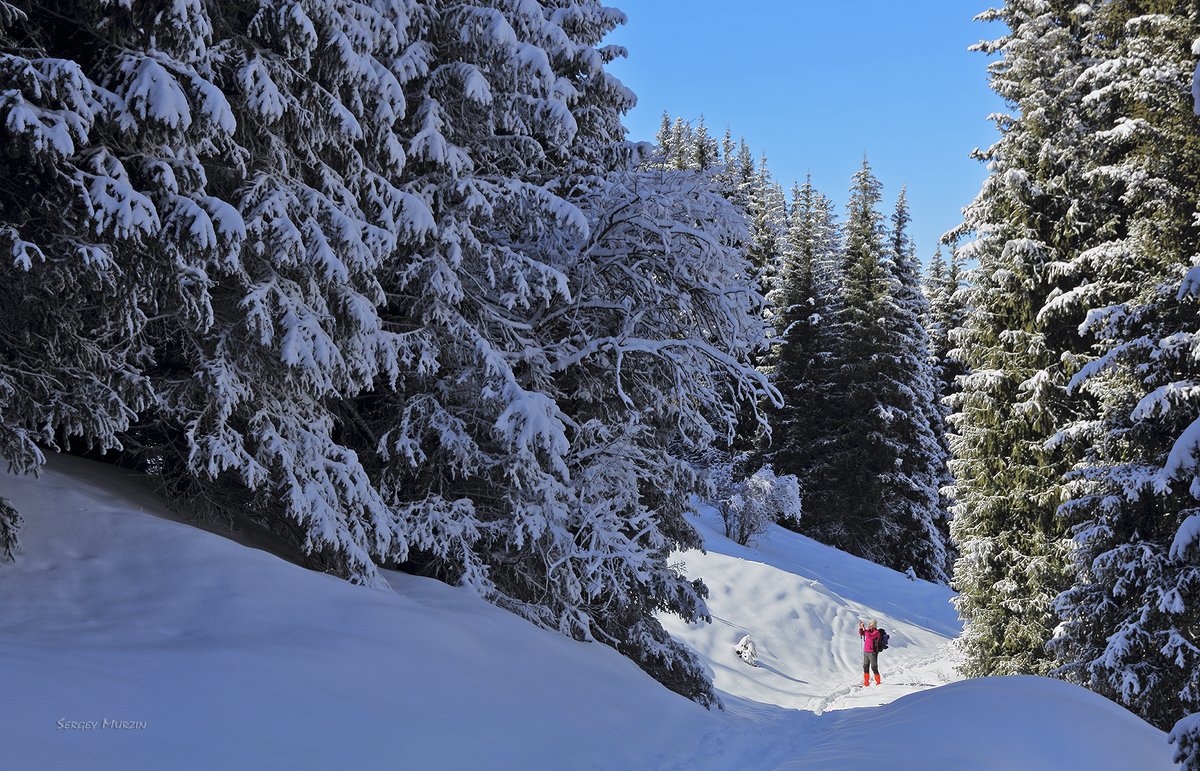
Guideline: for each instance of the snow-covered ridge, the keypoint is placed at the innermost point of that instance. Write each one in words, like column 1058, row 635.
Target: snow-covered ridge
column 234, row 658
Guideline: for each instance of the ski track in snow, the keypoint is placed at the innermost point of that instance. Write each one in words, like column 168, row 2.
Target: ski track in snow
column 801, row 602
column 939, row 667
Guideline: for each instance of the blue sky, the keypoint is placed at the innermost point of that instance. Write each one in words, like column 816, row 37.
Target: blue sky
column 816, row 84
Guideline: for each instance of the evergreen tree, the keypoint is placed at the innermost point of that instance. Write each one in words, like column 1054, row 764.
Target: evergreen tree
column 682, row 145
column 803, row 298
column 75, row 235
column 728, row 148
column 916, row 500
column 1026, row 220
column 726, row 179
column 743, row 180
column 943, row 287
column 676, row 354
column 1129, row 621
column 665, row 138
column 705, row 152
column 938, row 293
column 844, row 494
column 834, row 470
column 871, row 489
column 767, row 211
column 583, row 317
column 224, row 188
column 828, row 251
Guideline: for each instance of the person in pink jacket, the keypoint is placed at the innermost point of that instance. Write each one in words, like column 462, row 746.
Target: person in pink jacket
column 870, row 638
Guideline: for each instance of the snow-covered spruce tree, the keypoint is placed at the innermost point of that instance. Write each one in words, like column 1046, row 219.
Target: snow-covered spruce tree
column 76, row 271
column 728, row 148
column 102, row 189
column 841, row 494
column 486, row 108
column 277, row 322
column 944, row 283
column 580, row 318
column 489, row 123
column 705, row 153
column 1026, row 220
column 935, row 286
column 676, row 351
column 1130, row 621
column 767, row 211
column 218, row 184
column 871, row 489
column 741, row 179
column 247, row 175
column 665, row 136
column 944, row 289
column 919, row 425
column 803, row 297
column 682, row 144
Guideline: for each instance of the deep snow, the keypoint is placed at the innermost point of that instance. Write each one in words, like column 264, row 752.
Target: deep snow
column 234, row 658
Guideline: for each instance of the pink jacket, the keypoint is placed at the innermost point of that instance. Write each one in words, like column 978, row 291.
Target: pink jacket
column 870, row 639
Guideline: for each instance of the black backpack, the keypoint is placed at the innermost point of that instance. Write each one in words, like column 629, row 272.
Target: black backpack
column 883, row 641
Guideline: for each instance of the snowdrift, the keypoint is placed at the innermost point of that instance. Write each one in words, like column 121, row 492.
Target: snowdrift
column 990, row 724
column 132, row 641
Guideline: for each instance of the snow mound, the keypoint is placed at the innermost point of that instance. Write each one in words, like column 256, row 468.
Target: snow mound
column 201, row 652
column 234, row 658
column 990, row 724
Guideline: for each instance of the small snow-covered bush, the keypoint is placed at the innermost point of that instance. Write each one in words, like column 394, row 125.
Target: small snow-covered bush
column 748, row 506
column 1186, row 738
column 10, row 521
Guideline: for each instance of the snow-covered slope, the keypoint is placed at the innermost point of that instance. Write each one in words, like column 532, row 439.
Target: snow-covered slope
column 233, row 658
column 801, row 601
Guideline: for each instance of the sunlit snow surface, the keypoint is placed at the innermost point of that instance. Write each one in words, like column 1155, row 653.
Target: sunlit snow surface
column 801, row 602
column 233, row 658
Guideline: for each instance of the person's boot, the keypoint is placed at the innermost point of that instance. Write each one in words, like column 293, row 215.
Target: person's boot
column 866, row 680
column 877, row 681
